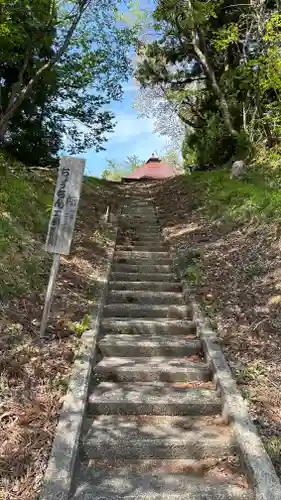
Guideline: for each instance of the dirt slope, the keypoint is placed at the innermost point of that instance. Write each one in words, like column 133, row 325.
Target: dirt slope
column 33, row 380
column 227, row 234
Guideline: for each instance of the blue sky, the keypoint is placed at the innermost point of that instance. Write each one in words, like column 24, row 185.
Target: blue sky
column 131, row 136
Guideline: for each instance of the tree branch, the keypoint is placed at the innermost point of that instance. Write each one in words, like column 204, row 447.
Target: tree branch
column 21, row 94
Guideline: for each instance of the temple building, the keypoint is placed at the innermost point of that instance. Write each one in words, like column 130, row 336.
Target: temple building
column 154, row 168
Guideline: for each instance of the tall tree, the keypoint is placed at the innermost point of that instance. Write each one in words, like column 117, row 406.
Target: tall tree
column 85, row 48
column 153, row 103
column 215, row 61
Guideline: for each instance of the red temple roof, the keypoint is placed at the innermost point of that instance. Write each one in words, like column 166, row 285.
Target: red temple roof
column 154, row 168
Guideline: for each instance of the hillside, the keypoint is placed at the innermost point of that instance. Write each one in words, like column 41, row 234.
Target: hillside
column 33, row 380
column 227, row 235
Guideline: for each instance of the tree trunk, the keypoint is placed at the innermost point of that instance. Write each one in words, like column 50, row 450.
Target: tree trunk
column 223, row 106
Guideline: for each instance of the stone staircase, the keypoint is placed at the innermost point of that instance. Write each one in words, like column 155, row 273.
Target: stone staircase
column 153, row 428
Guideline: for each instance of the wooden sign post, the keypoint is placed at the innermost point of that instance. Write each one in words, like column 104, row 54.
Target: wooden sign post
column 62, row 222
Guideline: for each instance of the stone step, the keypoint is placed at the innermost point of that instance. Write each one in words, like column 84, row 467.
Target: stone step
column 144, row 297
column 156, row 286
column 121, row 276
column 147, row 311
column 137, row 345
column 115, row 437
column 139, row 268
column 136, row 207
column 151, row 480
column 163, row 369
column 140, row 198
column 141, row 247
column 143, row 327
column 146, row 214
column 139, row 241
column 143, row 254
column 138, row 224
column 146, row 239
column 154, row 245
column 141, row 220
column 138, row 202
column 152, row 398
column 138, row 230
column 141, row 235
column 142, row 217
column 143, row 260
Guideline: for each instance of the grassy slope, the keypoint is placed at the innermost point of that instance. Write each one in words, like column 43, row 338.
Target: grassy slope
column 33, row 380
column 227, row 233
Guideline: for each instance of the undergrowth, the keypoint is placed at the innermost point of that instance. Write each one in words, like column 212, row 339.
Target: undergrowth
column 253, row 197
column 26, row 197
column 33, row 377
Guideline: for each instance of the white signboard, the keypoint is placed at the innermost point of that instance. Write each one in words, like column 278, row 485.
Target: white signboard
column 65, row 205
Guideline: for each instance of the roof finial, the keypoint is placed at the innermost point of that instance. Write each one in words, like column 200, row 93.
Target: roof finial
column 153, row 155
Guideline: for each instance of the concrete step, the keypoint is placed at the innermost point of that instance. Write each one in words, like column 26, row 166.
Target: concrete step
column 140, row 241
column 143, row 254
column 142, row 235
column 142, row 231
column 152, row 398
column 140, row 221
column 151, row 480
column 141, row 248
column 138, row 345
column 143, row 260
column 156, row 286
column 146, row 213
column 163, row 369
column 133, row 276
column 154, row 245
column 137, row 207
column 144, row 297
column 115, row 437
column 137, row 223
column 147, row 311
column 140, row 197
column 140, row 226
column 129, row 207
column 143, row 327
column 139, row 268
column 146, row 240
column 143, row 217
column 138, row 201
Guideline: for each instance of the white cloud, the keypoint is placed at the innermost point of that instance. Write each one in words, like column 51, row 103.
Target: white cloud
column 129, row 126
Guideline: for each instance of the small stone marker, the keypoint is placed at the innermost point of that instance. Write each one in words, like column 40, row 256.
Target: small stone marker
column 62, row 222
column 238, row 169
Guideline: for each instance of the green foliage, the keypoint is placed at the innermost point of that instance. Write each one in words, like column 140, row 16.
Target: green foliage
column 190, row 264
column 194, row 273
column 220, row 66
column 66, row 106
column 79, row 327
column 235, row 200
column 115, row 171
column 273, row 447
column 251, row 371
column 23, row 226
column 226, row 36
